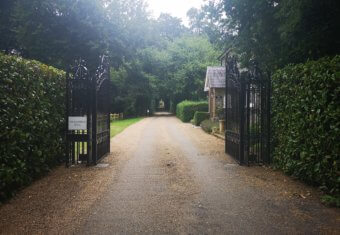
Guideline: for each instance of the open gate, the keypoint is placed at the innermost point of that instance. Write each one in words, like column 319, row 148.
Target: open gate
column 87, row 113
column 247, row 113
column 101, row 111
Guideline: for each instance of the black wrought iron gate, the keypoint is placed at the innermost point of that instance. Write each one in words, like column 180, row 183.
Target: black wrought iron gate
column 247, row 113
column 101, row 111
column 87, row 113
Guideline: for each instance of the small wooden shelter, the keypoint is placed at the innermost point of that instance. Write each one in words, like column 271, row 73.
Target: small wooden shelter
column 215, row 86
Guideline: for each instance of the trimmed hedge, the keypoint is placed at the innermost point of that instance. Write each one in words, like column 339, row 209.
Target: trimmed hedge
column 31, row 121
column 186, row 109
column 306, row 122
column 200, row 117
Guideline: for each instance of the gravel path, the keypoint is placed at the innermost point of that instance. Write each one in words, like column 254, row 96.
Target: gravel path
column 167, row 177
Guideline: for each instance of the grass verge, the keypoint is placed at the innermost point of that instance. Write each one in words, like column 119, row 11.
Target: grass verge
column 119, row 125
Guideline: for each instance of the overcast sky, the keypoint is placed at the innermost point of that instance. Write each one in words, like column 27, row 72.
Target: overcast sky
column 176, row 8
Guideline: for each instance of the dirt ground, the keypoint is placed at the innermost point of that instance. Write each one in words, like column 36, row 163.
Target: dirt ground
column 167, row 177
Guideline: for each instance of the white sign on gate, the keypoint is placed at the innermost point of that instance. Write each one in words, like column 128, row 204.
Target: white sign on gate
column 77, row 123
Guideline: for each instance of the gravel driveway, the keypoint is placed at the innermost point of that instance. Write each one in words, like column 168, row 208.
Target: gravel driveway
column 167, row 177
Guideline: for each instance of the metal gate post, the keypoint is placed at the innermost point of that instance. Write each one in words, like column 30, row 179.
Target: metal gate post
column 108, row 118
column 89, row 125
column 268, row 91
column 247, row 116
column 94, row 121
column 226, row 108
column 241, row 123
column 263, row 104
column 67, row 160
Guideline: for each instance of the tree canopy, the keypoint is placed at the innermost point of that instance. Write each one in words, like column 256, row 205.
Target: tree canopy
column 274, row 32
column 154, row 59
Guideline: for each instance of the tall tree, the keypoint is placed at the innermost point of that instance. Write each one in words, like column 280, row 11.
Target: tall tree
column 211, row 20
column 169, row 27
column 308, row 29
column 131, row 19
column 56, row 31
column 274, row 32
column 178, row 71
column 254, row 28
column 7, row 39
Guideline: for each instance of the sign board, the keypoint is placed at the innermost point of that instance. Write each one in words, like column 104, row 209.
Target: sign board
column 77, row 123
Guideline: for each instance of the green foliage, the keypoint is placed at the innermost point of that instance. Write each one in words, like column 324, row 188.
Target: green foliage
column 186, row 109
column 210, row 20
column 172, row 73
column 208, row 125
column 31, row 121
column 308, row 29
column 257, row 38
column 169, row 27
column 306, row 124
column 119, row 125
column 330, row 200
column 7, row 39
column 57, row 32
column 133, row 93
column 151, row 59
column 274, row 33
column 200, row 117
column 172, row 107
column 177, row 71
column 61, row 32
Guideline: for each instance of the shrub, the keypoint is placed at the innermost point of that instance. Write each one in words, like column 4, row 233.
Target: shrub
column 172, row 108
column 31, row 121
column 186, row 109
column 306, row 123
column 200, row 117
column 208, row 125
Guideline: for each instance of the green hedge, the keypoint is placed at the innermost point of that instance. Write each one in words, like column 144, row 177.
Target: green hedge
column 186, row 109
column 31, row 121
column 200, row 117
column 306, row 122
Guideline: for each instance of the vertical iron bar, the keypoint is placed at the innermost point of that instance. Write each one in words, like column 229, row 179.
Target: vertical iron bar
column 257, row 122
column 72, row 95
column 109, row 131
column 268, row 158
column 73, row 151
column 94, row 122
column 89, row 120
column 248, row 119
column 82, row 144
column 241, row 124
column 67, row 156
column 226, row 107
column 263, row 106
column 77, row 149
column 109, row 126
